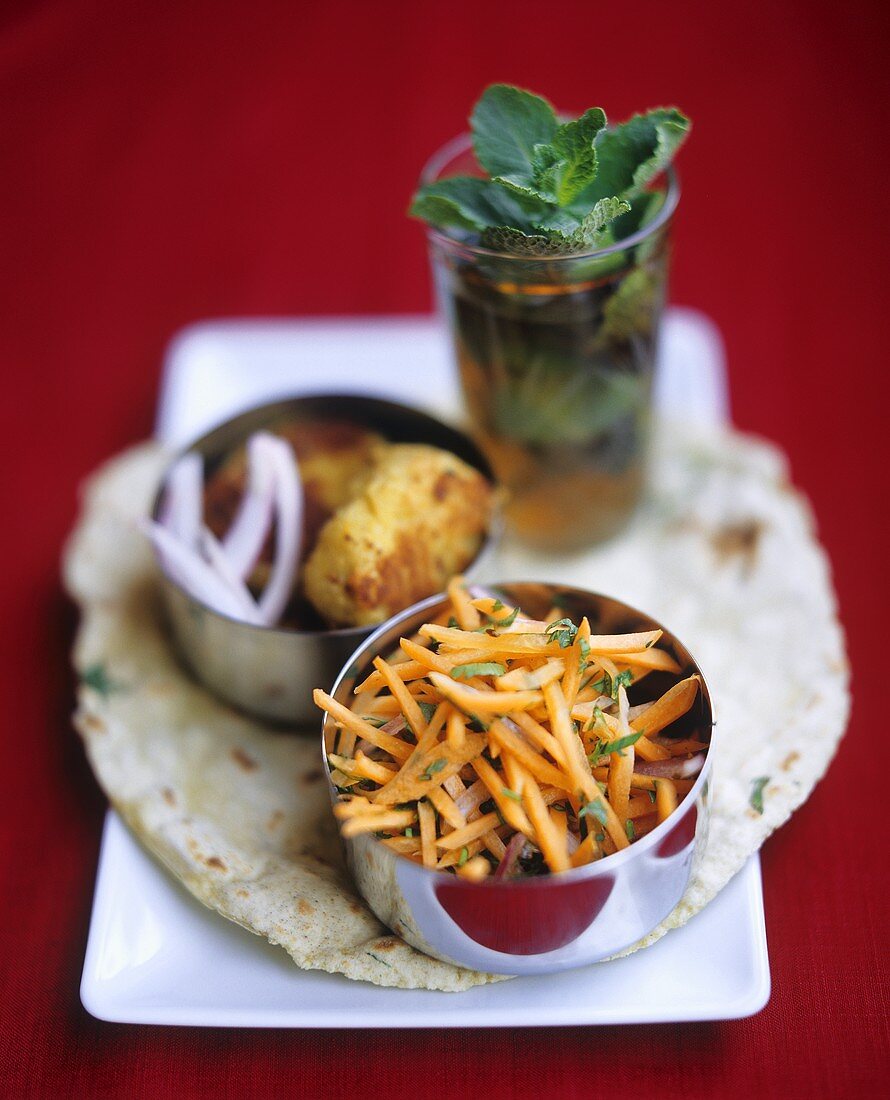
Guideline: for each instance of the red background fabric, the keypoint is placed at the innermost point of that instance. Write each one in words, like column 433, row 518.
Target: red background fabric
column 164, row 162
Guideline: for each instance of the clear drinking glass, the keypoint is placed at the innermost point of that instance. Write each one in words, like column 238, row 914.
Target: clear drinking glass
column 556, row 357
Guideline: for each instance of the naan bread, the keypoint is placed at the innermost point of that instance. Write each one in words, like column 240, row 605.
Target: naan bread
column 724, row 553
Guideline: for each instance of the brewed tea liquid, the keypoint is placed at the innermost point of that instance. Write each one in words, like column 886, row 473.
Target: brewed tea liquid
column 558, row 383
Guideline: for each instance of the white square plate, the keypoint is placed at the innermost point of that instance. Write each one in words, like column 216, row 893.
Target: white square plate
column 157, row 956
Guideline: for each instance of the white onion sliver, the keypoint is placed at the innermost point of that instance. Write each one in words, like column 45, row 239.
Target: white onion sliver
column 288, row 529
column 220, row 563
column 243, row 542
column 181, row 512
column 671, row 769
column 191, row 572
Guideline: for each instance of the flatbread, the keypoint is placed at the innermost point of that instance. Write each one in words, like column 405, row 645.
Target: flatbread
column 724, row 554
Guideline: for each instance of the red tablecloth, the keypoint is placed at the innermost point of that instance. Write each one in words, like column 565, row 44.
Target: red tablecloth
column 167, row 162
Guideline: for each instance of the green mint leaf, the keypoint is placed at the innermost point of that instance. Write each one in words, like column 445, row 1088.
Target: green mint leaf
column 565, row 166
column 555, row 397
column 631, row 311
column 477, row 668
column 473, row 204
column 507, row 124
column 631, row 154
column 756, row 799
column 597, row 809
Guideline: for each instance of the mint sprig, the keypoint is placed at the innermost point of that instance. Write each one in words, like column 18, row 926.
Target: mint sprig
column 553, row 188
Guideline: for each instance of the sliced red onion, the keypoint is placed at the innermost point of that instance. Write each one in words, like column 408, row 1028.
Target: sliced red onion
column 196, row 576
column 510, row 857
column 183, row 499
column 243, row 542
column 675, row 768
column 288, row 526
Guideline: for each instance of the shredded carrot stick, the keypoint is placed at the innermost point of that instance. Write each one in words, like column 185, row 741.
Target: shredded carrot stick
column 464, row 611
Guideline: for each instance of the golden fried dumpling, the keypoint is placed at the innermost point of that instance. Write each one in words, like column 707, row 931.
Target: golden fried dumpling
column 418, row 519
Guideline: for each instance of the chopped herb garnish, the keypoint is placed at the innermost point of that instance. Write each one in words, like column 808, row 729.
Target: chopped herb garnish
column 600, row 837
column 409, row 831
column 427, row 710
column 374, row 720
column 562, row 631
column 596, row 719
column 433, row 767
column 464, row 856
column 604, row 684
column 756, row 799
column 511, row 794
column 508, row 621
column 608, row 747
column 651, row 795
column 497, row 606
column 453, row 624
column 630, row 829
column 98, row 679
column 584, row 646
column 597, row 809
column 623, row 679
column 477, row 668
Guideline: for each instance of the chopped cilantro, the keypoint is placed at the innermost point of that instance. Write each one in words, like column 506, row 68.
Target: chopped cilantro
column 96, row 677
column 511, row 794
column 630, row 829
column 623, row 679
column 453, row 624
column 508, row 620
column 756, row 799
column 604, row 684
column 427, row 710
column 477, row 668
column 562, row 631
column 434, row 766
column 464, row 856
column 497, row 606
column 597, row 809
column 605, row 748
column 409, row 831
